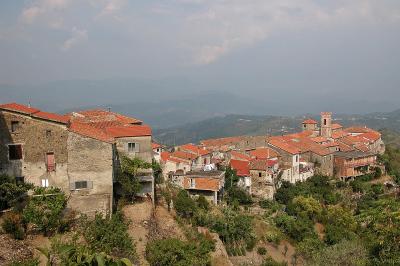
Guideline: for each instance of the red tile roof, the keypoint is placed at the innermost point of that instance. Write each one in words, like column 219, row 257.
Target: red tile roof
column 281, row 144
column 240, row 156
column 319, row 139
column 358, row 129
column 336, row 126
column 194, row 149
column 262, row 164
column 310, row 121
column 203, row 183
column 129, row 131
column 19, row 108
column 52, row 117
column 100, row 115
column 241, row 167
column 184, row 155
column 263, row 153
column 91, row 132
column 155, row 145
column 165, row 156
column 339, row 134
column 372, row 136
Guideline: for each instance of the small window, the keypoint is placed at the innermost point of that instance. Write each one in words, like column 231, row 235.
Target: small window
column 14, row 126
column 259, row 174
column 45, row 183
column 81, row 184
column 324, row 122
column 48, row 133
column 192, row 183
column 132, row 146
column 15, row 151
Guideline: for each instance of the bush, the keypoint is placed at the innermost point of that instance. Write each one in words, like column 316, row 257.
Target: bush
column 184, row 204
column 203, row 203
column 45, row 209
column 27, row 262
column 261, row 251
column 171, row 252
column 109, row 235
column 11, row 193
column 270, row 262
column 238, row 194
column 13, row 225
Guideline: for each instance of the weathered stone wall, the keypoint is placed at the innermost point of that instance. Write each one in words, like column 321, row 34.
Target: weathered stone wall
column 37, row 137
column 145, row 151
column 90, row 160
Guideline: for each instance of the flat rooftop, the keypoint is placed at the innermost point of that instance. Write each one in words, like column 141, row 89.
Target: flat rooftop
column 213, row 174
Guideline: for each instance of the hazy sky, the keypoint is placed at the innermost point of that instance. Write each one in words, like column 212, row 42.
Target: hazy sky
column 274, row 49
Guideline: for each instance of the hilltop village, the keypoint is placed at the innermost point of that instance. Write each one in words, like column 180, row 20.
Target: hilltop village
column 263, row 162
column 264, row 200
column 80, row 153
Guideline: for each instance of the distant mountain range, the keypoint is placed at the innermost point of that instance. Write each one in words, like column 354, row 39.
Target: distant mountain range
column 234, row 125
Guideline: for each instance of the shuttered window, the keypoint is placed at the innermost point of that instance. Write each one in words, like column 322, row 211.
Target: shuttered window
column 15, row 151
column 81, row 185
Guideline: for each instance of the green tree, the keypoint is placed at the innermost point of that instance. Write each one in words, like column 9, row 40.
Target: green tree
column 71, row 253
column 174, row 252
column 45, row 209
column 231, row 178
column 184, row 205
column 346, row 253
column 128, row 182
column 202, row 203
column 305, row 207
column 11, row 193
column 108, row 235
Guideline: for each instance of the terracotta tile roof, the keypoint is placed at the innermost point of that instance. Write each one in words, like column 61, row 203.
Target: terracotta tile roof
column 129, row 131
column 100, row 115
column 358, row 129
column 262, row 164
column 344, row 147
column 194, row 149
column 263, row 153
column 361, row 147
column 203, row 183
column 91, row 132
column 155, row 145
column 184, row 155
column 240, row 156
column 336, row 126
column 241, row 167
column 52, row 117
column 19, row 108
column 165, row 156
column 281, row 144
column 310, row 121
column 330, row 144
column 339, row 134
column 372, row 136
column 319, row 139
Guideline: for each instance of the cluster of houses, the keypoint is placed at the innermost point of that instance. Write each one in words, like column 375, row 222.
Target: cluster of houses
column 80, row 153
column 263, row 162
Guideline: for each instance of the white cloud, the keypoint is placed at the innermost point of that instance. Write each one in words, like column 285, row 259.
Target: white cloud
column 40, row 8
column 219, row 27
column 77, row 36
column 112, row 7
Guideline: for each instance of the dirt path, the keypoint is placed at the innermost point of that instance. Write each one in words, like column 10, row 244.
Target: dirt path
column 166, row 224
column 140, row 215
column 39, row 241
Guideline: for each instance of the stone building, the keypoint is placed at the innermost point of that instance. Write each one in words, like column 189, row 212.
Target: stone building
column 78, row 152
column 210, row 184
